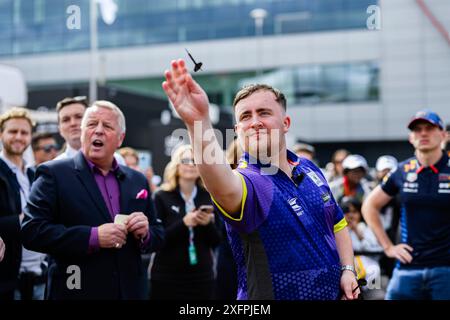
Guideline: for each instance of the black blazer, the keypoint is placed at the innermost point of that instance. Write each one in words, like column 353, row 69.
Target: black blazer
column 64, row 204
column 10, row 209
column 172, row 261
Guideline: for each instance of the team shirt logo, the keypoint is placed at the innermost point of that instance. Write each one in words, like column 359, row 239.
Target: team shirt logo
column 412, row 165
column 325, row 197
column 293, row 203
column 411, row 177
column 315, row 178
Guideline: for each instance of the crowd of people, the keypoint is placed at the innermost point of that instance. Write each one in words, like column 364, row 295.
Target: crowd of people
column 84, row 221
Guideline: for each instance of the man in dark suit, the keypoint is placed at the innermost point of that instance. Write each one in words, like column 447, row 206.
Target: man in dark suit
column 71, row 212
column 15, row 135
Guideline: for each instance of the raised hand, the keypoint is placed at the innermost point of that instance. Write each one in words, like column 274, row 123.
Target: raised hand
column 186, row 95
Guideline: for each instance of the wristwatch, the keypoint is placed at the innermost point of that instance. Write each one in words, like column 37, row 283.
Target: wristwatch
column 350, row 268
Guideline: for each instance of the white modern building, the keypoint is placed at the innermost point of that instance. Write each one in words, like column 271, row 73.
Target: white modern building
column 354, row 71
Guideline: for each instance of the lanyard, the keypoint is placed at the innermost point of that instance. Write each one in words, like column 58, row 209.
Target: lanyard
column 189, row 205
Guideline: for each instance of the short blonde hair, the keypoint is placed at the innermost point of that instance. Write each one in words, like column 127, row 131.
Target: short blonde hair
column 15, row 113
column 248, row 90
column 171, row 171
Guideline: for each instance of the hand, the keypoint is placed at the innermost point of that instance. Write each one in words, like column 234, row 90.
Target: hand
column 186, row 95
column 204, row 218
column 348, row 284
column 190, row 219
column 2, row 249
column 112, row 235
column 352, row 224
column 137, row 224
column 400, row 252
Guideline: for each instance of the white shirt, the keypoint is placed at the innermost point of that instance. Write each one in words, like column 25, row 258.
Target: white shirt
column 68, row 153
column 369, row 241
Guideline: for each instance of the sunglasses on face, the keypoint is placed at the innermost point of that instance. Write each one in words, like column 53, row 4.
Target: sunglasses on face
column 49, row 147
column 187, row 161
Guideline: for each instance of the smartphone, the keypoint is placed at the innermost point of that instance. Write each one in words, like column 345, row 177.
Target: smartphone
column 206, row 208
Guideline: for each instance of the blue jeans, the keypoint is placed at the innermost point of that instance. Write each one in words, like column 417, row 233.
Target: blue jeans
column 419, row 284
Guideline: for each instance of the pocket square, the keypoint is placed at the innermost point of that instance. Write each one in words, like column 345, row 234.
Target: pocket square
column 143, row 194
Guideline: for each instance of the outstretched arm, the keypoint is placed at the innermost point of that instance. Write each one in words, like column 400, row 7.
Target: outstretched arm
column 191, row 103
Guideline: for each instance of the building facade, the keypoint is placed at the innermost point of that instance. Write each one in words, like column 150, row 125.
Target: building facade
column 353, row 71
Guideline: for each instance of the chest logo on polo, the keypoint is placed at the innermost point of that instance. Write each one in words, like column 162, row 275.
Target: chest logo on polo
column 411, row 176
column 325, row 197
column 297, row 209
column 410, row 187
column 444, row 187
column 315, row 178
column 175, row 208
column 412, row 165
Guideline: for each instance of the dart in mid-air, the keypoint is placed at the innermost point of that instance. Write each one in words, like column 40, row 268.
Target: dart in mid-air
column 197, row 65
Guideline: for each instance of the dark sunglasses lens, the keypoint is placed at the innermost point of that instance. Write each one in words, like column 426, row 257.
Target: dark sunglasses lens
column 187, row 161
column 50, row 147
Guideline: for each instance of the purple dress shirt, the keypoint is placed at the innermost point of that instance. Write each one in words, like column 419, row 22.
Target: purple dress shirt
column 110, row 190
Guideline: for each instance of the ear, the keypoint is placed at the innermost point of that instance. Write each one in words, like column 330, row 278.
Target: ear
column 286, row 123
column 411, row 138
column 121, row 137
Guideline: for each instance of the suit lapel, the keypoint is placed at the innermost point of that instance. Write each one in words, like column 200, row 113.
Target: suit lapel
column 87, row 180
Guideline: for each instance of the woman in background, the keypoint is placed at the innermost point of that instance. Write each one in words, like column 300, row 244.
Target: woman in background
column 183, row 268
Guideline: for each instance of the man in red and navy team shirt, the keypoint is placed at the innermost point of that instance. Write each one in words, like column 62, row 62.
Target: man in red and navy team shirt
column 423, row 183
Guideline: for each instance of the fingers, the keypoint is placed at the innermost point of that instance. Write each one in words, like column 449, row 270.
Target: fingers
column 168, row 87
column 403, row 254
column 356, row 290
column 175, row 79
column 137, row 223
column 407, row 247
column 348, row 291
column 179, row 72
column 192, row 84
column 119, row 234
